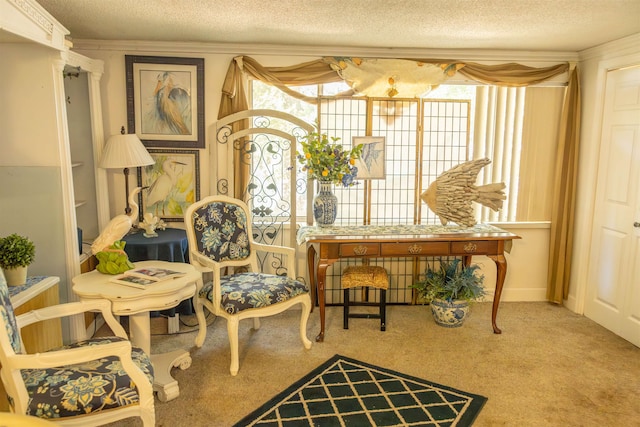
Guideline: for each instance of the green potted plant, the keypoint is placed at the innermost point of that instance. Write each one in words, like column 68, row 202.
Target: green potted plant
column 449, row 290
column 16, row 253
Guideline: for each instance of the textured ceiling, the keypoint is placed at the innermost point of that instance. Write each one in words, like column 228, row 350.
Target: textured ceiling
column 535, row 25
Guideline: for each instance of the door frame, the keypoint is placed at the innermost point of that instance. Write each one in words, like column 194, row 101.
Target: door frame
column 589, row 162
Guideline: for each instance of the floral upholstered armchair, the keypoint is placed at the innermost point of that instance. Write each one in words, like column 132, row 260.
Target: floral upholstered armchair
column 92, row 382
column 220, row 238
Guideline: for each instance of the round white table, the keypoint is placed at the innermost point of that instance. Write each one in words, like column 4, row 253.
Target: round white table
column 136, row 303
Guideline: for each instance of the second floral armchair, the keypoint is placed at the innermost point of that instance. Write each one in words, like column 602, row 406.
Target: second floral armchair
column 220, row 240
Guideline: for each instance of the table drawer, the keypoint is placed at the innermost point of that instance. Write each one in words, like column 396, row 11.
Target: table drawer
column 474, row 247
column 359, row 249
column 415, row 249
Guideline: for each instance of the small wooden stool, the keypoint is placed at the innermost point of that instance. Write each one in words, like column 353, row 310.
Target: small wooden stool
column 365, row 275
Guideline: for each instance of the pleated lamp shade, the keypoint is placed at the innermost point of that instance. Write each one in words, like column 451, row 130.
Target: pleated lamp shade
column 125, row 151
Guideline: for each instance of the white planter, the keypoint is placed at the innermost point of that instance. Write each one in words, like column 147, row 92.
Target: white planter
column 450, row 314
column 15, row 276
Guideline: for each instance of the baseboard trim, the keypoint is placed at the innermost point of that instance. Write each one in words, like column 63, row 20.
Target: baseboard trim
column 521, row 295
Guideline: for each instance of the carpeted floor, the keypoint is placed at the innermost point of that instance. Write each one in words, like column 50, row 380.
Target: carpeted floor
column 549, row 367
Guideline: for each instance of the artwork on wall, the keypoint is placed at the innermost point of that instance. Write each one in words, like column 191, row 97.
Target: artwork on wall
column 371, row 163
column 170, row 185
column 165, row 100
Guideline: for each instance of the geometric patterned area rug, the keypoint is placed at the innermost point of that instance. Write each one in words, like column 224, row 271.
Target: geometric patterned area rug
column 347, row 392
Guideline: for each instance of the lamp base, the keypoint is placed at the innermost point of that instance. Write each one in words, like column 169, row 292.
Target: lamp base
column 127, row 209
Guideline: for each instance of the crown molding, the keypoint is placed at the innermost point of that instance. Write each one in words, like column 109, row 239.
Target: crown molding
column 624, row 46
column 75, row 59
column 28, row 20
column 498, row 56
column 37, row 15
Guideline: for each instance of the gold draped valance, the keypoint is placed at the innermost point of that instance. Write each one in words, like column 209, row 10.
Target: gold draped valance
column 329, row 70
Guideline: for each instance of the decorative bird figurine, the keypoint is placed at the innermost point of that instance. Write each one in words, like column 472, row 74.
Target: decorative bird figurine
column 118, row 227
column 451, row 194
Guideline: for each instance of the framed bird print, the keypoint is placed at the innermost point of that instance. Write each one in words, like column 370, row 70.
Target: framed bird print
column 170, row 185
column 371, row 163
column 165, row 100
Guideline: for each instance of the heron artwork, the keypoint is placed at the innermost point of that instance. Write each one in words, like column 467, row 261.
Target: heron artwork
column 170, row 111
column 159, row 191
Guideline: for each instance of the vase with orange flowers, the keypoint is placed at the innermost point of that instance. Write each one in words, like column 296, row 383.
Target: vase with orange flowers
column 330, row 164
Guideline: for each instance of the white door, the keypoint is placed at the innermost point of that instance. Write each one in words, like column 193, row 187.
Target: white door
column 613, row 288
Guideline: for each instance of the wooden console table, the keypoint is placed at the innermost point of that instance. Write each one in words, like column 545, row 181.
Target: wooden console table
column 326, row 245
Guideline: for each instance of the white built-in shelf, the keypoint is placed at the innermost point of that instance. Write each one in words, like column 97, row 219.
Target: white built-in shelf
column 75, row 164
column 86, row 252
column 80, row 203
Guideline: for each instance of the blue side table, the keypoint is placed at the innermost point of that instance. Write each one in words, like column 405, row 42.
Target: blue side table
column 170, row 245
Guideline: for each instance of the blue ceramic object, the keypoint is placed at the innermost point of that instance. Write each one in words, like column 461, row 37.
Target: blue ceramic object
column 450, row 314
column 325, row 205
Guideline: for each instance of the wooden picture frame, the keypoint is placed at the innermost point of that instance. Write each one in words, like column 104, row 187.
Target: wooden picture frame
column 170, row 185
column 165, row 100
column 371, row 163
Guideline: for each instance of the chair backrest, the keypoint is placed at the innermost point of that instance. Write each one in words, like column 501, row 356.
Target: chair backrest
column 10, row 327
column 220, row 228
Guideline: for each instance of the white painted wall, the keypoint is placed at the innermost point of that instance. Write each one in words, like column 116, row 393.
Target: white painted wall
column 526, row 263
column 28, row 120
column 31, row 191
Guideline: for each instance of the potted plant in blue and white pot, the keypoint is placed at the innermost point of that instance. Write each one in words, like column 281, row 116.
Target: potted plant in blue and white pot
column 449, row 290
column 330, row 164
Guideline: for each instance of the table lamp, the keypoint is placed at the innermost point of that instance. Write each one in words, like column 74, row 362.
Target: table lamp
column 125, row 151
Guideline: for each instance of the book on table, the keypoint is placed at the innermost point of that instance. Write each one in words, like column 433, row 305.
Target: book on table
column 144, row 277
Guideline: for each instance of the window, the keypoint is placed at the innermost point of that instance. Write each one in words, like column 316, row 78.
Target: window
column 423, row 137
column 514, row 127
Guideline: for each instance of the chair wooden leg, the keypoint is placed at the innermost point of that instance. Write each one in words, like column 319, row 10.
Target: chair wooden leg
column 148, row 417
column 202, row 321
column 346, row 310
column 304, row 317
column 232, row 331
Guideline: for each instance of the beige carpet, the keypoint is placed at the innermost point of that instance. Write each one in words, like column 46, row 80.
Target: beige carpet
column 550, row 367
